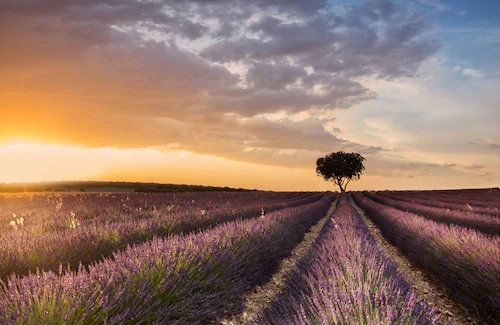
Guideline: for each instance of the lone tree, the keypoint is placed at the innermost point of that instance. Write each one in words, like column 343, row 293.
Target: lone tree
column 340, row 167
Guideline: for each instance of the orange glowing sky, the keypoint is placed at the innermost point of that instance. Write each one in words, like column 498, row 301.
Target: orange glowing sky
column 170, row 94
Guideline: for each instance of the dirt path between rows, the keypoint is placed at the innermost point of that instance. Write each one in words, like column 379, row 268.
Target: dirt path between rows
column 427, row 288
column 260, row 298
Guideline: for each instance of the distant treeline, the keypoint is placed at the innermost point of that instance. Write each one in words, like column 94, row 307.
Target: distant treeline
column 160, row 188
column 136, row 186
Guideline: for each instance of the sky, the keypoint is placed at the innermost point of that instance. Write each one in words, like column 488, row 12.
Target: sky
column 250, row 93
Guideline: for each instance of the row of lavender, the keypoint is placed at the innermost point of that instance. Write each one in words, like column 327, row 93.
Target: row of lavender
column 345, row 279
column 487, row 198
column 485, row 223
column 465, row 260
column 480, row 194
column 102, row 225
column 442, row 202
column 185, row 279
column 54, row 212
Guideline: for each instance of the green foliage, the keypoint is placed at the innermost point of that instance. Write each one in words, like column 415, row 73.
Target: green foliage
column 340, row 167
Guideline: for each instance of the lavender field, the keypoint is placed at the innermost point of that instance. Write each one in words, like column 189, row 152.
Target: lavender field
column 227, row 162
column 46, row 231
column 465, row 259
column 193, row 258
column 484, row 222
column 346, row 280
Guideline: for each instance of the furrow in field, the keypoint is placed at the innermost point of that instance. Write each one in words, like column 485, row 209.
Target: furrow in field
column 486, row 223
column 437, row 202
column 465, row 260
column 257, row 300
column 186, row 279
column 23, row 250
column 482, row 198
column 431, row 290
column 344, row 279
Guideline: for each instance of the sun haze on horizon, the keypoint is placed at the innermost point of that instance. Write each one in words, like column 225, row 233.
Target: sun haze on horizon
column 250, row 94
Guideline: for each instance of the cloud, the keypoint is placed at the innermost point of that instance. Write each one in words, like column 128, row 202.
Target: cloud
column 375, row 38
column 435, row 3
column 474, row 167
column 472, row 73
column 404, row 167
column 199, row 75
column 274, row 76
column 263, row 141
column 468, row 73
column 487, row 142
column 408, row 169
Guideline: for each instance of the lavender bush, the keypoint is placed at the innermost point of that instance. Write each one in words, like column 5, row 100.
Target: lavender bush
column 345, row 279
column 185, row 279
column 465, row 260
column 443, row 203
column 96, row 226
column 485, row 223
column 484, row 198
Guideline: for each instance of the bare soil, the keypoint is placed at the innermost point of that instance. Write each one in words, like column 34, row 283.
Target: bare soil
column 427, row 287
column 262, row 296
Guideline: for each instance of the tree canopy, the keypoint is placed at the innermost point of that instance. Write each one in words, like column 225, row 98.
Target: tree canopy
column 340, row 168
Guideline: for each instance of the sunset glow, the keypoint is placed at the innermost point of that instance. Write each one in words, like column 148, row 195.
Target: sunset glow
column 198, row 94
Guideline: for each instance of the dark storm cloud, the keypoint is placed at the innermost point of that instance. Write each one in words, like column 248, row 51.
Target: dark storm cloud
column 200, row 75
